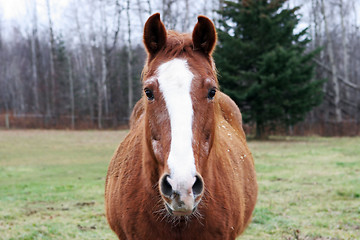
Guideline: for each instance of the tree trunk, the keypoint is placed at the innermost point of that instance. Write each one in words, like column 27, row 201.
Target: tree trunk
column 19, row 90
column 149, row 7
column 356, row 62
column 87, row 67
column 316, row 30
column 129, row 66
column 34, row 59
column 140, row 13
column 185, row 25
column 102, row 80
column 118, row 22
column 52, row 66
column 72, row 97
column 344, row 46
column 260, row 132
column 168, row 19
column 1, row 43
column 334, row 78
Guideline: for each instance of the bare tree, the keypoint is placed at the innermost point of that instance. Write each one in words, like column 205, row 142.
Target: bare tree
column 87, row 63
column 52, row 64
column 72, row 97
column 129, row 66
column 118, row 11
column 334, row 78
column 149, row 7
column 1, row 32
column 185, row 25
column 34, row 58
column 356, row 56
column 140, row 11
column 344, row 42
column 88, row 71
column 102, row 80
column 167, row 14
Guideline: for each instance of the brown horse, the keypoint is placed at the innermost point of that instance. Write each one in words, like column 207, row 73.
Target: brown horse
column 184, row 171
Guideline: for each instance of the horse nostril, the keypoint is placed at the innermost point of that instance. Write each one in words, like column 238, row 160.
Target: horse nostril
column 165, row 186
column 198, row 186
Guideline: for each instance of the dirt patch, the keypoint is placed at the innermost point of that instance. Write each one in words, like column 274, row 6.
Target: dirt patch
column 85, row 228
column 85, row 204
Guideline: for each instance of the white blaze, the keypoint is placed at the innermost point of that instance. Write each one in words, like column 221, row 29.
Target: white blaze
column 175, row 79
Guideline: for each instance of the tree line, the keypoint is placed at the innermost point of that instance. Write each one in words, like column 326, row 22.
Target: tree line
column 334, row 27
column 87, row 74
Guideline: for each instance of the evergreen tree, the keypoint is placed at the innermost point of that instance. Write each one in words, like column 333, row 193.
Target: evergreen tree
column 263, row 65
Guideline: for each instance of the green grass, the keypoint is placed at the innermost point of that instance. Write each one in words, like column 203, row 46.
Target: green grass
column 309, row 188
column 52, row 186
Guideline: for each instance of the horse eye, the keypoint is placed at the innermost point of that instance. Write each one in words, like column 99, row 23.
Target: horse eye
column 211, row 93
column 149, row 94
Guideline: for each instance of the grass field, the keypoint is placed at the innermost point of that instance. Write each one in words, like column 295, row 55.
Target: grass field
column 52, row 186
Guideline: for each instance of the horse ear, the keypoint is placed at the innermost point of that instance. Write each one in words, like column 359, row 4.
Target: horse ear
column 204, row 35
column 154, row 34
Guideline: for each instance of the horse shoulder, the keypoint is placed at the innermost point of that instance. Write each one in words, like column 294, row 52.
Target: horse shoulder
column 122, row 178
column 231, row 113
column 237, row 160
column 126, row 157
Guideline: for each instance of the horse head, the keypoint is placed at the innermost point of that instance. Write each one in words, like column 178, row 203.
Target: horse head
column 180, row 85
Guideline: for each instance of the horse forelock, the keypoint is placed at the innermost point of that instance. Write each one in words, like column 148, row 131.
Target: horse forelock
column 178, row 45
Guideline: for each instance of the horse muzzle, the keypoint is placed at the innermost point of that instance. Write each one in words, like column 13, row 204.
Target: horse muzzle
column 181, row 197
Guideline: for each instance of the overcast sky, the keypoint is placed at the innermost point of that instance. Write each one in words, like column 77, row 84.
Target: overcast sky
column 18, row 12
column 17, row 9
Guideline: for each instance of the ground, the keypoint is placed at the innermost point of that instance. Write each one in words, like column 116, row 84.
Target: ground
column 52, row 186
